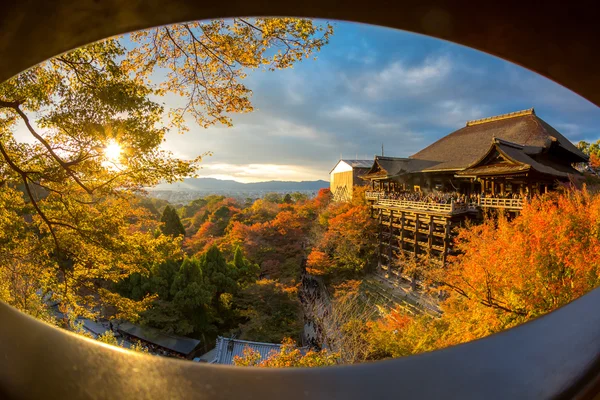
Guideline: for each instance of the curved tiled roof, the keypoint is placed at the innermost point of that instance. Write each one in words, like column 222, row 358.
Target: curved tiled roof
column 227, row 349
column 519, row 159
column 461, row 148
column 393, row 166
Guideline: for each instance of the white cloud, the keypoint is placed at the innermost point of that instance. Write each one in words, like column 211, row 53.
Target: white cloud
column 347, row 112
column 284, row 128
column 454, row 113
column 399, row 77
column 577, row 132
column 367, row 118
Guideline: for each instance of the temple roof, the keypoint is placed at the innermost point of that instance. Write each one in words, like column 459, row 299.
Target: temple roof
column 463, row 147
column 505, row 158
column 385, row 167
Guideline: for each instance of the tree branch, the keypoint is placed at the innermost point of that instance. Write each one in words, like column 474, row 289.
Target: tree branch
column 24, row 178
column 62, row 163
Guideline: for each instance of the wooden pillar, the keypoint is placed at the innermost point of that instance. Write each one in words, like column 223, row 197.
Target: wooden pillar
column 416, row 244
column 430, row 238
column 402, row 219
column 502, row 187
column 379, row 237
column 482, row 186
column 391, row 230
column 446, row 240
column 521, row 190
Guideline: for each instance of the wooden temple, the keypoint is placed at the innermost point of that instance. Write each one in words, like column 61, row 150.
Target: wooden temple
column 491, row 163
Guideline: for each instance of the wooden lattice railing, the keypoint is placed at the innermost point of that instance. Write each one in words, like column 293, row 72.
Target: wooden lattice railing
column 453, row 207
column 501, row 203
column 417, row 205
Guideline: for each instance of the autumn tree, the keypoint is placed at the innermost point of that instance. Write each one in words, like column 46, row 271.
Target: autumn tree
column 276, row 245
column 96, row 132
column 592, row 150
column 207, row 61
column 510, row 271
column 172, row 225
column 396, row 333
column 344, row 239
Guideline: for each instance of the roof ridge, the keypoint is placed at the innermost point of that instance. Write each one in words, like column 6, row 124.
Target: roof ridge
column 529, row 111
column 249, row 341
column 391, row 158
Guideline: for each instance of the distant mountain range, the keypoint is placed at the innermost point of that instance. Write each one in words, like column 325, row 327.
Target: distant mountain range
column 207, row 184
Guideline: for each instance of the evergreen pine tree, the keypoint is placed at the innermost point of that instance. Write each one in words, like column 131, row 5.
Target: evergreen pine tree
column 171, row 223
column 246, row 271
column 222, row 277
column 191, row 298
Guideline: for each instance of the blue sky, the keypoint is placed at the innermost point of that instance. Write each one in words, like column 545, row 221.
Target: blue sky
column 370, row 86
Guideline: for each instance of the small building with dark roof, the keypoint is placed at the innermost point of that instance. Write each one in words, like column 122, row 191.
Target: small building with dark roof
column 345, row 176
column 179, row 345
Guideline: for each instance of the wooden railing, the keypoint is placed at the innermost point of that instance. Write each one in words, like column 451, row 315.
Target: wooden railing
column 491, row 202
column 453, row 208
column 370, row 195
column 424, row 205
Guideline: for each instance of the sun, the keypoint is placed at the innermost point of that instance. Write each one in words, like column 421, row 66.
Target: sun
column 112, row 151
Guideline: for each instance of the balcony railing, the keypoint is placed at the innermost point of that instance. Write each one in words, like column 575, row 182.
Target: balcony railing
column 371, row 195
column 501, row 203
column 422, row 205
column 452, row 207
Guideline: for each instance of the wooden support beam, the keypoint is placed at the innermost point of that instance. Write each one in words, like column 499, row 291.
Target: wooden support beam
column 415, row 244
column 390, row 239
column 430, row 236
column 379, row 237
column 446, row 240
column 402, row 222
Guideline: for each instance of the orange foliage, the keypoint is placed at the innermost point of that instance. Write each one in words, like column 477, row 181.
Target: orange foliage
column 323, row 198
column 397, row 334
column 318, row 263
column 347, row 243
column 201, row 240
column 512, row 271
column 595, row 160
